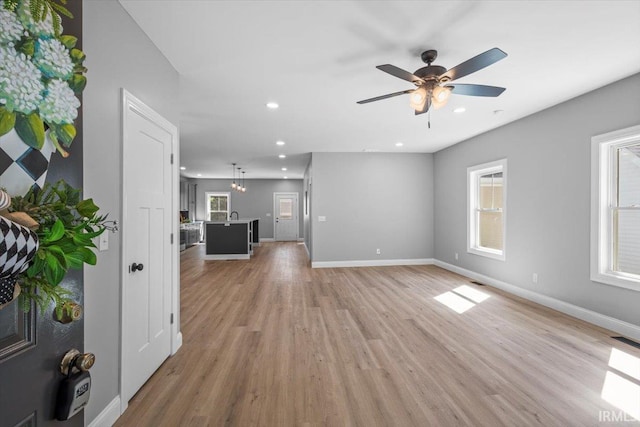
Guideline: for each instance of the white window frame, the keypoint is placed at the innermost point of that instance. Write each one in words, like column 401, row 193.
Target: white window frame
column 207, row 205
column 603, row 170
column 473, row 174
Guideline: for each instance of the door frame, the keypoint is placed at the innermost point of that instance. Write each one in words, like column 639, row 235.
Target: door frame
column 296, row 210
column 130, row 102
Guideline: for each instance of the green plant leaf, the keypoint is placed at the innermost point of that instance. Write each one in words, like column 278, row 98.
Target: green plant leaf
column 77, row 83
column 54, row 140
column 28, row 47
column 77, row 56
column 87, row 255
column 87, row 208
column 30, row 129
column 82, row 240
column 75, row 260
column 56, row 232
column 59, row 254
column 66, row 133
column 7, row 120
column 69, row 41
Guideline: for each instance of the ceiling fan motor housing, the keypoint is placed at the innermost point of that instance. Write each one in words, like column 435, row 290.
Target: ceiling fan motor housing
column 430, row 72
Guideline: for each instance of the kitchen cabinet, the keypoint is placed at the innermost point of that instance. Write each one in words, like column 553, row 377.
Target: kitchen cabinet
column 231, row 239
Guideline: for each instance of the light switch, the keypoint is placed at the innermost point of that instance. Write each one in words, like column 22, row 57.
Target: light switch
column 268, row 213
column 104, row 241
column 322, row 218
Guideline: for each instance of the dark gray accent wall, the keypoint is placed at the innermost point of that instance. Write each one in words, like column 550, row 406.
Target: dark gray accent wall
column 371, row 201
column 119, row 55
column 548, row 201
column 256, row 202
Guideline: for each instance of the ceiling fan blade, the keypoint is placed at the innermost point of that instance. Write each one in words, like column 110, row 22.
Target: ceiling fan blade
column 474, row 64
column 399, row 73
column 389, row 95
column 476, row 90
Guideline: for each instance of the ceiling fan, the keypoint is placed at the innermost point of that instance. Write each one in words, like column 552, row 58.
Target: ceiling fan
column 433, row 81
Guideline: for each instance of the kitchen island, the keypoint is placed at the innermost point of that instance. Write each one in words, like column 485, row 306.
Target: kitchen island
column 230, row 239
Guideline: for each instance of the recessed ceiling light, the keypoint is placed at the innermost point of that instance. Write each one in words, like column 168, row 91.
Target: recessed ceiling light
column 272, row 105
column 399, row 144
column 284, row 169
column 460, row 110
column 285, row 177
column 282, row 156
column 279, row 142
column 199, row 174
column 182, row 168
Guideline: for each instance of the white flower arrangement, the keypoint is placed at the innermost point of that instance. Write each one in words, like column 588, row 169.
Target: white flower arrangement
column 41, row 73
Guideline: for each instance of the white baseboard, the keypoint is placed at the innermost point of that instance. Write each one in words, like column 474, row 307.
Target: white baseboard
column 109, row 414
column 307, row 249
column 372, row 263
column 300, row 239
column 176, row 344
column 627, row 329
column 267, row 239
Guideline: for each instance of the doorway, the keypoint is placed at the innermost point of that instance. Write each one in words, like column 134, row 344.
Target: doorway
column 285, row 219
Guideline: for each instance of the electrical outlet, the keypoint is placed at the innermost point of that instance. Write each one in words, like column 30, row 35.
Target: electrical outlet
column 378, row 251
column 534, row 278
column 456, row 256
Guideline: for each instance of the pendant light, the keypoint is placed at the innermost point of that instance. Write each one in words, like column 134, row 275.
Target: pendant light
column 233, row 184
column 244, row 189
column 239, row 187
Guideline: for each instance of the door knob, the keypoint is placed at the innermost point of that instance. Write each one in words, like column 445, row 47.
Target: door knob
column 136, row 267
column 74, row 359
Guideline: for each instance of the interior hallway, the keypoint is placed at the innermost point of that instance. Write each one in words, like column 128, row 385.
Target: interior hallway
column 272, row 342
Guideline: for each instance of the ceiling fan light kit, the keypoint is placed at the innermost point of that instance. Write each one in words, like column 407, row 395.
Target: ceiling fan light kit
column 432, row 82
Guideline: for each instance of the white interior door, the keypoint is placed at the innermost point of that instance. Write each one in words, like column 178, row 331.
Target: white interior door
column 146, row 232
column 286, row 216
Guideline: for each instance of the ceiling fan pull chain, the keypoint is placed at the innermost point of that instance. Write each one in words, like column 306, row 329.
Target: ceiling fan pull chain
column 429, row 119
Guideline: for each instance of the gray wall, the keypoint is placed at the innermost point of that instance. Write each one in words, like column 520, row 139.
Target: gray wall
column 370, row 201
column 119, row 55
column 548, row 202
column 256, row 202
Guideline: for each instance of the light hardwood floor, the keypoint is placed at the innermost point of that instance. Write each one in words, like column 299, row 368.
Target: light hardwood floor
column 272, row 342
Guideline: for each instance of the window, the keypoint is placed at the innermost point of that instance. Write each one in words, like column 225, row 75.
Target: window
column 487, row 195
column 286, row 209
column 218, row 206
column 615, row 208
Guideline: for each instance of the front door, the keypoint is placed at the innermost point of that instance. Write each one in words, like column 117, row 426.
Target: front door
column 286, row 216
column 146, row 295
column 32, row 344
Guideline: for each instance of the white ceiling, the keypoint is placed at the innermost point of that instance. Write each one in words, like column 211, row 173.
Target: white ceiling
column 317, row 58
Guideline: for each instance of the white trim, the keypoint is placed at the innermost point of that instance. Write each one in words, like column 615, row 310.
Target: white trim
column 473, row 172
column 296, row 212
column 130, row 102
column 602, row 187
column 267, row 239
column 225, row 257
column 371, row 263
column 307, row 249
column 604, row 321
column 300, row 239
column 109, row 414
